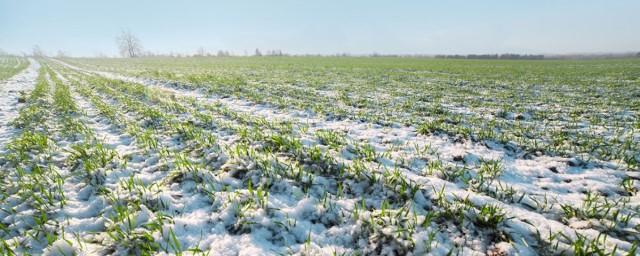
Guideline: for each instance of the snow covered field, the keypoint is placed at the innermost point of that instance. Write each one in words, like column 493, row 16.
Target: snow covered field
column 271, row 156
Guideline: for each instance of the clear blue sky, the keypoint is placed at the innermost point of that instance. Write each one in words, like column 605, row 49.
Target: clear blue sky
column 84, row 27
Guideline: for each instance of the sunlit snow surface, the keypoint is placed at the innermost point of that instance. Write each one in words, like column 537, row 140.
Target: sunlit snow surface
column 297, row 223
column 10, row 91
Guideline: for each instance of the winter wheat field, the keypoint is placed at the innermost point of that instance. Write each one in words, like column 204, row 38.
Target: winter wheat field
column 319, row 156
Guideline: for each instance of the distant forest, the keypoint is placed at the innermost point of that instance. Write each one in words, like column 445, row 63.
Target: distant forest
column 510, row 56
column 507, row 56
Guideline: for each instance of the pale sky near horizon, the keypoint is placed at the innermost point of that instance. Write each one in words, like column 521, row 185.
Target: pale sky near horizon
column 85, row 28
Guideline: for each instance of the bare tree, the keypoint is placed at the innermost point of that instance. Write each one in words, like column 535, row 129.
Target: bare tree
column 61, row 54
column 130, row 46
column 201, row 52
column 222, row 53
column 36, row 51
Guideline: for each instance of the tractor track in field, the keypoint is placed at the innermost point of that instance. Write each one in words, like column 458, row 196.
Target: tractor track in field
column 11, row 90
